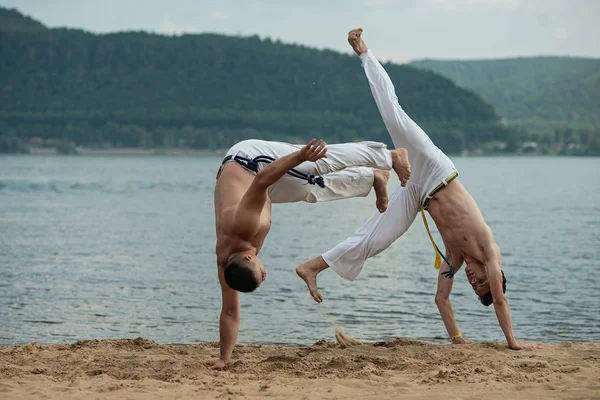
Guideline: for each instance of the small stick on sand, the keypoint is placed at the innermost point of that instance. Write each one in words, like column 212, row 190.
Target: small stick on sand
column 344, row 340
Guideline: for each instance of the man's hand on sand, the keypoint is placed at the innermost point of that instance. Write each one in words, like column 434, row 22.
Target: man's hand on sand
column 314, row 150
column 523, row 346
column 218, row 365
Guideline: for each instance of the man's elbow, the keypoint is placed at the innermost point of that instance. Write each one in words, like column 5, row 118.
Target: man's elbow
column 262, row 179
column 230, row 313
column 441, row 299
column 500, row 300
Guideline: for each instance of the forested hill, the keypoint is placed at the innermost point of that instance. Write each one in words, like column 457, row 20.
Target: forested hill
column 549, row 95
column 136, row 89
column 13, row 20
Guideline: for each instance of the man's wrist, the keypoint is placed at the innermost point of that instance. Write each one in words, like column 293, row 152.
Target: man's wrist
column 297, row 158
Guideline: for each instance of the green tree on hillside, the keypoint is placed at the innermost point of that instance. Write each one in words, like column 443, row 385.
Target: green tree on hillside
column 542, row 95
column 136, row 89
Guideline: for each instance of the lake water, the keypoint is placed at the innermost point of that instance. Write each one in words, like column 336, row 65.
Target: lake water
column 107, row 247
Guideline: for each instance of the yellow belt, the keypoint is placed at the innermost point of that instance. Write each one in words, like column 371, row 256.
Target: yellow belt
column 438, row 253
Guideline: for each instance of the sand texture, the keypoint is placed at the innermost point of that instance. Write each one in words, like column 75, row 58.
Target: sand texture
column 143, row 369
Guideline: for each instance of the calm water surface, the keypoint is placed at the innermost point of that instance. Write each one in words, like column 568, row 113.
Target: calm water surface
column 107, row 247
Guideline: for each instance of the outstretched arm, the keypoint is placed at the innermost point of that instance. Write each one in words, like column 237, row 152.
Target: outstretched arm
column 229, row 322
column 494, row 276
column 442, row 300
column 247, row 217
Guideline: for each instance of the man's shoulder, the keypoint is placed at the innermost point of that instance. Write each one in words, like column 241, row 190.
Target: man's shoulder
column 222, row 249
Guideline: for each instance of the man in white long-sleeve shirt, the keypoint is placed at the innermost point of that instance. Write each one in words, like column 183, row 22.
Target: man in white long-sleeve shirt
column 433, row 187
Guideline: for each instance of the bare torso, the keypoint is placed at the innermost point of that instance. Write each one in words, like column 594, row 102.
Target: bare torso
column 466, row 236
column 229, row 190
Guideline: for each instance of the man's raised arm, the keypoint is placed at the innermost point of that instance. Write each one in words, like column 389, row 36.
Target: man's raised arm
column 247, row 217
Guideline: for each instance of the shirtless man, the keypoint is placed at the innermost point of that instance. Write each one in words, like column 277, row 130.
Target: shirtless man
column 256, row 173
column 432, row 187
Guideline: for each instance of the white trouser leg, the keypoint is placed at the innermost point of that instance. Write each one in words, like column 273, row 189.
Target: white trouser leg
column 381, row 230
column 347, row 172
column 376, row 235
column 339, row 156
column 402, row 129
column 344, row 155
column 344, row 184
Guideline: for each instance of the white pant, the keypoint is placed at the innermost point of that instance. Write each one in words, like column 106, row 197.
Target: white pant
column 347, row 170
column 430, row 166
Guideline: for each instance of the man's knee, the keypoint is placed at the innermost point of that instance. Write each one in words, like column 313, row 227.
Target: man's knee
column 378, row 243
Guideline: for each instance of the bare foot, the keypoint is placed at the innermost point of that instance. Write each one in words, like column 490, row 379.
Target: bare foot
column 308, row 272
column 380, row 180
column 401, row 165
column 355, row 40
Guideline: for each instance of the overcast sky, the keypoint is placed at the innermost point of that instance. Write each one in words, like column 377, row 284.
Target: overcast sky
column 398, row 30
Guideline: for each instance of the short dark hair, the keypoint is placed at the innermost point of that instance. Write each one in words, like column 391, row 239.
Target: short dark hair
column 240, row 275
column 487, row 298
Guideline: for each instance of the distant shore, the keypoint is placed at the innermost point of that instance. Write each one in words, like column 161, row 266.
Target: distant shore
column 83, row 151
column 139, row 152
column 400, row 368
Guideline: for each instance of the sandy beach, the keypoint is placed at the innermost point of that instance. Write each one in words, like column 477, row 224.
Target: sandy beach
column 142, row 369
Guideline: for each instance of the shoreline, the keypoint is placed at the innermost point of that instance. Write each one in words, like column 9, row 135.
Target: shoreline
column 141, row 368
column 127, row 152
column 175, row 152
column 286, row 345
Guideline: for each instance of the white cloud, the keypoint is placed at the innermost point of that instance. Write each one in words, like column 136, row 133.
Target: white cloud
column 220, row 15
column 560, row 33
column 397, row 3
column 454, row 4
column 446, row 4
column 170, row 28
column 442, row 4
column 501, row 3
column 371, row 3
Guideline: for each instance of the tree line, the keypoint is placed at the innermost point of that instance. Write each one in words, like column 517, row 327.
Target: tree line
column 207, row 91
